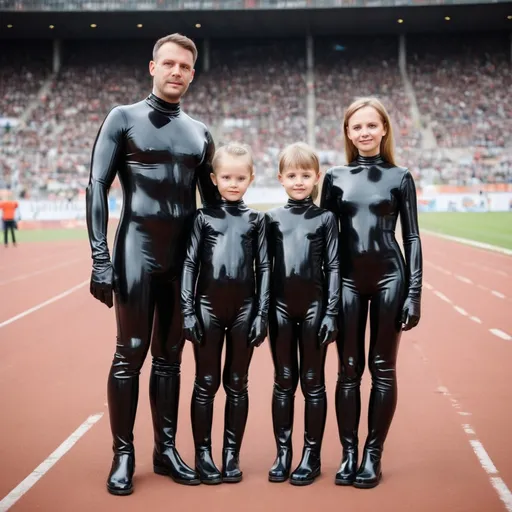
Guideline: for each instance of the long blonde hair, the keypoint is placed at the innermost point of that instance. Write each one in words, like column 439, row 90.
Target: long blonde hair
column 300, row 155
column 387, row 144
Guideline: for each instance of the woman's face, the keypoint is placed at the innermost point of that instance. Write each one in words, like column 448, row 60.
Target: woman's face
column 366, row 129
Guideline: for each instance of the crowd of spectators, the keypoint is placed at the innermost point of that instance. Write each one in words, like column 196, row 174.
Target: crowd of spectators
column 256, row 91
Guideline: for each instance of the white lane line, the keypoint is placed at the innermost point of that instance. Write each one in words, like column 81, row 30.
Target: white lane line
column 503, row 491
column 462, row 311
column 473, row 243
column 42, row 271
column 428, row 286
column 43, row 304
column 476, row 319
column 11, row 498
column 464, row 279
column 483, row 457
column 498, row 294
column 501, row 334
column 442, row 296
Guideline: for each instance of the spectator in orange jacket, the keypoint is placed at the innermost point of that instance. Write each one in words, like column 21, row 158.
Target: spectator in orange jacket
column 8, row 210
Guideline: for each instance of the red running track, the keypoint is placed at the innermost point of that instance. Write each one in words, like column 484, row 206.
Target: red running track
column 447, row 449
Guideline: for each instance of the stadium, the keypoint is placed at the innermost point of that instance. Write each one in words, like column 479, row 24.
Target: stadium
column 269, row 73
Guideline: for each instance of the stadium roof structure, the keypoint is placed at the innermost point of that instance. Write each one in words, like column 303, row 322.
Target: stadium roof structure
column 226, row 23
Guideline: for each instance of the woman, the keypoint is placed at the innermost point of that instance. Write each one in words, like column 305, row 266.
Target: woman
column 367, row 196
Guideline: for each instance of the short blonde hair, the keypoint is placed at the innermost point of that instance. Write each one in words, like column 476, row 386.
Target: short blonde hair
column 387, row 143
column 300, row 155
column 236, row 149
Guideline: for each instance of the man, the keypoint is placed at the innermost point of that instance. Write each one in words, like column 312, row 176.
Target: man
column 9, row 219
column 159, row 154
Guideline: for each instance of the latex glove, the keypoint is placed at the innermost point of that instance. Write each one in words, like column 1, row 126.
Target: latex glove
column 102, row 282
column 328, row 331
column 192, row 329
column 258, row 331
column 410, row 314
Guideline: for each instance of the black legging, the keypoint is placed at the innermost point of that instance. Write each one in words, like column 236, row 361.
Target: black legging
column 9, row 225
column 234, row 323
column 291, row 326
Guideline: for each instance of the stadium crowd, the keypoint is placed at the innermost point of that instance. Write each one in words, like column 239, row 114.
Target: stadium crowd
column 257, row 91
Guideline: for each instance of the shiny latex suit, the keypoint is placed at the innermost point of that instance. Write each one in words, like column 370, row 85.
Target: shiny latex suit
column 159, row 154
column 305, row 292
column 367, row 196
column 227, row 257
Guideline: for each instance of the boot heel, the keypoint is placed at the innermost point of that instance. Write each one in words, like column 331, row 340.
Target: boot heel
column 160, row 470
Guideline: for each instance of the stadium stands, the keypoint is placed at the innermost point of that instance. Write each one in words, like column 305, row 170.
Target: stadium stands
column 452, row 126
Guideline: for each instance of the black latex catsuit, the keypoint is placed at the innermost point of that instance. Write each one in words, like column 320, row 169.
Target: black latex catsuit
column 227, row 256
column 368, row 196
column 305, row 292
column 159, row 154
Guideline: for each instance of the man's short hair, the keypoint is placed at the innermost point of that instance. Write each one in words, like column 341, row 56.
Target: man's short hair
column 178, row 39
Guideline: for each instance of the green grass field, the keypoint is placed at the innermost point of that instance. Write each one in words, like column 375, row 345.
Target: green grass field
column 493, row 228
column 49, row 235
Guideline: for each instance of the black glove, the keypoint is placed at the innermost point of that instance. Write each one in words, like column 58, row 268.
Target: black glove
column 410, row 314
column 258, row 331
column 192, row 329
column 328, row 331
column 102, row 280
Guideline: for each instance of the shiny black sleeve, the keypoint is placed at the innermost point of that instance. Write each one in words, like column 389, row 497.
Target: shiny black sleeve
column 208, row 191
column 270, row 241
column 327, row 200
column 332, row 264
column 191, row 265
column 411, row 235
column 262, row 268
column 105, row 163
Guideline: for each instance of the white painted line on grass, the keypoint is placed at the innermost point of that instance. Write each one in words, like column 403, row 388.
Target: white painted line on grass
column 473, row 243
column 463, row 312
column 442, row 296
column 42, row 271
column 464, row 279
column 501, row 334
column 43, row 304
column 9, row 500
column 498, row 294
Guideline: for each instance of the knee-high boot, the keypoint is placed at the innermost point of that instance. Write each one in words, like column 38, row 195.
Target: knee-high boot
column 309, row 467
column 380, row 414
column 164, row 392
column 283, row 402
column 123, row 395
column 202, row 418
column 235, row 419
column 348, row 411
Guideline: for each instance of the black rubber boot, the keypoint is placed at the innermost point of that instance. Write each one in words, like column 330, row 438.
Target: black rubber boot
column 164, row 390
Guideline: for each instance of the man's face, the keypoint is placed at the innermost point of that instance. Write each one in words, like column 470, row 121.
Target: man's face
column 172, row 71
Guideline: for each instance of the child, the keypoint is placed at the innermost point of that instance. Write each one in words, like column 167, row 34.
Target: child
column 303, row 245
column 228, row 245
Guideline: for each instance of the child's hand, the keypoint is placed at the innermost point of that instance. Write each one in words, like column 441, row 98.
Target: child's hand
column 192, row 329
column 410, row 314
column 258, row 331
column 328, row 331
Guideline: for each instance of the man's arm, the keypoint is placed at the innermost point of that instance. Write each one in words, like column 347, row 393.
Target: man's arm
column 207, row 190
column 105, row 161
